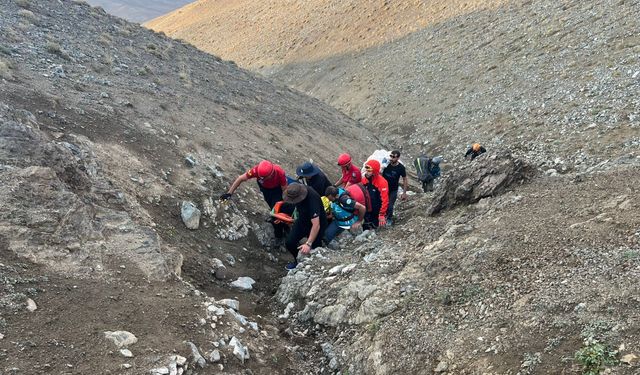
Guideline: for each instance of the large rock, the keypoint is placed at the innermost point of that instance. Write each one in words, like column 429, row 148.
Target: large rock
column 121, row 338
column 483, row 177
column 294, row 286
column 190, row 215
column 331, row 315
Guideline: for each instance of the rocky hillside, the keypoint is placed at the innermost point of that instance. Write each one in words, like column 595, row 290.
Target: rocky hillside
column 556, row 81
column 107, row 132
column 522, row 262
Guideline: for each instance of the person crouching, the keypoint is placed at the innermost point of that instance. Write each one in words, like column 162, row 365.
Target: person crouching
column 311, row 221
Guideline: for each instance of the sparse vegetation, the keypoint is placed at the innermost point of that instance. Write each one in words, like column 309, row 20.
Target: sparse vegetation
column 23, row 3
column 28, row 15
column 105, row 39
column 594, row 356
column 5, row 70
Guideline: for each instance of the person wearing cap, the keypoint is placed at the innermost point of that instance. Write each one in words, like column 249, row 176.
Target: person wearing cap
column 347, row 213
column 272, row 181
column 392, row 173
column 350, row 173
column 313, row 176
column 475, row 150
column 378, row 190
column 310, row 223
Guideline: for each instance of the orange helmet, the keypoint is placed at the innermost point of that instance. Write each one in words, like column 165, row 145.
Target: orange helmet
column 265, row 169
column 344, row 159
column 475, row 147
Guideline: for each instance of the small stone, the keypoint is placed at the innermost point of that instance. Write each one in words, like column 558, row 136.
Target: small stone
column 126, row 366
column 629, row 359
column 240, row 351
column 190, row 215
column 180, row 360
column 230, row 259
column 31, row 305
column 190, row 161
column 121, row 338
column 243, row 283
column 160, row 371
column 442, row 367
column 195, row 353
column 348, row 268
column 218, row 269
column 215, row 356
column 336, row 270
column 230, row 303
column 126, row 353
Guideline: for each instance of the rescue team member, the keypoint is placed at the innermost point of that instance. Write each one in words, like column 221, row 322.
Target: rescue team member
column 378, row 190
column 350, row 173
column 311, row 221
column 313, row 177
column 272, row 181
column 392, row 173
column 475, row 150
column 347, row 213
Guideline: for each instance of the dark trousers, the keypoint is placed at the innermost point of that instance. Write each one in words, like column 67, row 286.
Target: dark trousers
column 300, row 230
column 273, row 196
column 393, row 195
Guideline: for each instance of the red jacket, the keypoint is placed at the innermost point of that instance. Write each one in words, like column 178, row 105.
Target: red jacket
column 380, row 183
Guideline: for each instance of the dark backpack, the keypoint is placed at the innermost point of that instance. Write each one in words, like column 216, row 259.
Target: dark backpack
column 423, row 168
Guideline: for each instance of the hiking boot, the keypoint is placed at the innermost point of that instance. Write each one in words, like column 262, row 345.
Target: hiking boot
column 291, row 266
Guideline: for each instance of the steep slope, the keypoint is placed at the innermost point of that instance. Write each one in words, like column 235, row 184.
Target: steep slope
column 266, row 35
column 550, row 79
column 105, row 129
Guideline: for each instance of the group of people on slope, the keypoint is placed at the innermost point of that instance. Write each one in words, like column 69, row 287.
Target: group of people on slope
column 321, row 210
column 313, row 208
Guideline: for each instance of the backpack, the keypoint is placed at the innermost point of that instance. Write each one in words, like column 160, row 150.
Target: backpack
column 423, row 168
column 365, row 194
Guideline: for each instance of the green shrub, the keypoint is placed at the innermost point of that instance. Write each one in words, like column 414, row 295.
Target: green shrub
column 594, row 356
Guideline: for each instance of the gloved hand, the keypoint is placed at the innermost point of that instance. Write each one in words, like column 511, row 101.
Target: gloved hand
column 225, row 196
column 382, row 221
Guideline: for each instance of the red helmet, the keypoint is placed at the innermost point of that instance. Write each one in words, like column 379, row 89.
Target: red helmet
column 265, row 169
column 374, row 165
column 344, row 159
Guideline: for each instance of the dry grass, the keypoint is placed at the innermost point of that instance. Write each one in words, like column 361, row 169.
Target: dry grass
column 28, row 15
column 5, row 70
column 23, row 3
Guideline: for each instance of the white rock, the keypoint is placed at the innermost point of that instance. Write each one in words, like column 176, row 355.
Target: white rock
column 230, row 303
column 160, row 371
column 121, row 338
column 180, row 360
column 215, row 310
column 126, row 366
column 31, row 305
column 195, row 353
column 239, row 317
column 442, row 367
column 126, row 353
column 240, row 351
column 243, row 283
column 348, row 268
column 336, row 270
column 287, row 311
column 190, row 215
column 215, row 356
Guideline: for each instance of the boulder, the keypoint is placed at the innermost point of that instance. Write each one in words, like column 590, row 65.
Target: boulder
column 484, row 177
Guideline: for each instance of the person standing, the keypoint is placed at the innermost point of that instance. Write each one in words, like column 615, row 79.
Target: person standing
column 311, row 221
column 392, row 173
column 350, row 173
column 272, row 181
column 314, row 177
column 378, row 190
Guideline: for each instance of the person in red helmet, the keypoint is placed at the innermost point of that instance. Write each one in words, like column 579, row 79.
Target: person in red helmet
column 272, row 181
column 350, row 173
column 378, row 189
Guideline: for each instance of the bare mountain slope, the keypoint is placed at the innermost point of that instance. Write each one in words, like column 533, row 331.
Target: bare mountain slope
column 97, row 119
column 268, row 34
column 551, row 79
